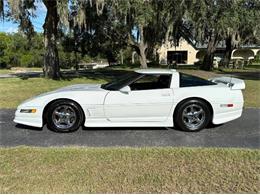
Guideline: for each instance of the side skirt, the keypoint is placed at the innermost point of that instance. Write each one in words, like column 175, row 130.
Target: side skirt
column 106, row 123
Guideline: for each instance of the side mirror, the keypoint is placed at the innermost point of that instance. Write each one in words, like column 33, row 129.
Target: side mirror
column 125, row 89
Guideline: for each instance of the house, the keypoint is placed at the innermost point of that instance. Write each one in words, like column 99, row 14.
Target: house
column 188, row 53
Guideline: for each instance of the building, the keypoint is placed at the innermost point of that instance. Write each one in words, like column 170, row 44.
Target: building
column 187, row 53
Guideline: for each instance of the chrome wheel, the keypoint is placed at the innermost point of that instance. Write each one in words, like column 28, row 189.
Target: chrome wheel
column 193, row 116
column 64, row 117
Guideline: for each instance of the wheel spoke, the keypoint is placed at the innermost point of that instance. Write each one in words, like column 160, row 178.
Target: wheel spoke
column 57, row 113
column 192, row 110
column 188, row 115
column 198, row 112
column 197, row 120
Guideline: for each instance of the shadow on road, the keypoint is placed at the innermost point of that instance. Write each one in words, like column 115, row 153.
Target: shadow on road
column 254, row 75
column 25, row 127
column 96, row 74
column 125, row 128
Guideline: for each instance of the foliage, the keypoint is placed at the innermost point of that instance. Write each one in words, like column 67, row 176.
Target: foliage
column 106, row 29
column 222, row 20
column 17, row 51
column 256, row 60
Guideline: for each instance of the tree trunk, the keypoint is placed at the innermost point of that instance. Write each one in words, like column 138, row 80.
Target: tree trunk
column 139, row 46
column 133, row 57
column 76, row 60
column 51, row 67
column 142, row 48
column 121, row 57
column 228, row 52
column 209, row 57
column 142, row 56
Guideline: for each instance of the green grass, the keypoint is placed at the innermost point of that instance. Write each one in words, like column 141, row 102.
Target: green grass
column 255, row 66
column 5, row 71
column 19, row 69
column 14, row 90
column 246, row 69
column 128, row 170
column 252, row 91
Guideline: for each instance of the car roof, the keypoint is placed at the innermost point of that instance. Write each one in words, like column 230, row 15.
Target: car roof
column 155, row 71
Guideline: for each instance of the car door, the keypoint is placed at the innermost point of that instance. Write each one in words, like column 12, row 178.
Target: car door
column 150, row 99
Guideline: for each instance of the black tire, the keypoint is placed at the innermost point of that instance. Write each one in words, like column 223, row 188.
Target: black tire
column 70, row 115
column 192, row 115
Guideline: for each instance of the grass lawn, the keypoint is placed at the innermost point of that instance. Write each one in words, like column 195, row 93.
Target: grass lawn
column 19, row 69
column 128, row 170
column 15, row 90
column 252, row 94
column 5, row 71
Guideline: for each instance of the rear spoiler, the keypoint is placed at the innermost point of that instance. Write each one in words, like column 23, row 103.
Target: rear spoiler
column 233, row 83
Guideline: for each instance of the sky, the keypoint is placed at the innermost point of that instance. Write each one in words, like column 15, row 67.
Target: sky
column 10, row 27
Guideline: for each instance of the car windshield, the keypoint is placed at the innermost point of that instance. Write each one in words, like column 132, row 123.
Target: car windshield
column 121, row 82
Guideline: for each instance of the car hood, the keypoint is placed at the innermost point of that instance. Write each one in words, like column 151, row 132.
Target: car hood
column 81, row 87
column 71, row 88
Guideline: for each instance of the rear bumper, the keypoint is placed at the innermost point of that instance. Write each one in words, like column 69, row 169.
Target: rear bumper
column 30, row 119
column 226, row 116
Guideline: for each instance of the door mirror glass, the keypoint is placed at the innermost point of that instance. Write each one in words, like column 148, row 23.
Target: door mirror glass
column 125, row 89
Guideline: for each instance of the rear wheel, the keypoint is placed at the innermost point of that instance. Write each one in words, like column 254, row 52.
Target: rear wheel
column 64, row 116
column 192, row 115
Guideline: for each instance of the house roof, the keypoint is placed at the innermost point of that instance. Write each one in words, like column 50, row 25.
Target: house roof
column 222, row 45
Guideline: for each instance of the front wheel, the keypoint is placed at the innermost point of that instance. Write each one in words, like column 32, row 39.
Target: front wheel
column 192, row 115
column 64, row 116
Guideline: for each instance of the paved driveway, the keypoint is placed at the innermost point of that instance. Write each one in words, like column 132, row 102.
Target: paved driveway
column 243, row 132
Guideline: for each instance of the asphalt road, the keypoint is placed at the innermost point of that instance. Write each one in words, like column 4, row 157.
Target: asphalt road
column 243, row 133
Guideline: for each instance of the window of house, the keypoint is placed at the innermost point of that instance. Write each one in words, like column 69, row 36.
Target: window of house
column 148, row 82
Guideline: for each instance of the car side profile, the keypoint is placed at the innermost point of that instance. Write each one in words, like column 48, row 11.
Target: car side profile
column 142, row 98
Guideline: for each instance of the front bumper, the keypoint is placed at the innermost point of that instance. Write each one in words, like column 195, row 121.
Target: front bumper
column 30, row 119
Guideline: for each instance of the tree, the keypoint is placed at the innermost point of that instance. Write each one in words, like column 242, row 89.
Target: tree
column 242, row 26
column 149, row 23
column 206, row 17
column 56, row 18
column 138, row 16
column 2, row 9
column 20, row 11
column 232, row 21
column 51, row 58
column 4, row 43
column 103, row 33
column 58, row 13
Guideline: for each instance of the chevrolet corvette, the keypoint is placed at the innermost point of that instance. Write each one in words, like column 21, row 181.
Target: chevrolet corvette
column 142, row 98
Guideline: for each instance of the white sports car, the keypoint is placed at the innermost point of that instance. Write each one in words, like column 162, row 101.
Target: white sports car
column 143, row 98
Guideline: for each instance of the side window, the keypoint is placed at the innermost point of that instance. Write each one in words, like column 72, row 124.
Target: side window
column 148, row 82
column 192, row 81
